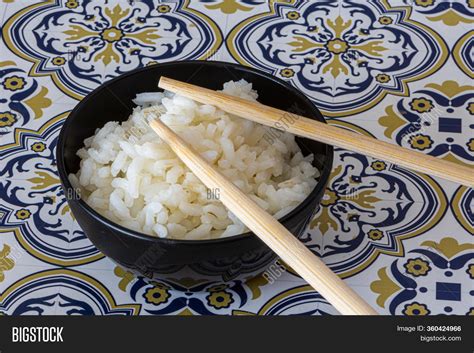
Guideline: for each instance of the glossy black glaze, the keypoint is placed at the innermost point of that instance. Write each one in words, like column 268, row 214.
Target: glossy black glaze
column 221, row 259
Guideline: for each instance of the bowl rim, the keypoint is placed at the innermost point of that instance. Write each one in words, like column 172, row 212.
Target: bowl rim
column 68, row 188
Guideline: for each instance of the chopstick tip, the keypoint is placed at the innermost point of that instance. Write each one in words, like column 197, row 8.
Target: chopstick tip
column 162, row 81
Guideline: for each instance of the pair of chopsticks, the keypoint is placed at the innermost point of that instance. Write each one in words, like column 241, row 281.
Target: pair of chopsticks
column 275, row 235
column 325, row 133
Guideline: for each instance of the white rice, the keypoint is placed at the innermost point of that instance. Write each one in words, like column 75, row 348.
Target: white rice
column 133, row 178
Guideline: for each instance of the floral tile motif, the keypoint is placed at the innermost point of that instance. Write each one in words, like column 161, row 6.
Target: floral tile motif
column 423, row 283
column 340, row 49
column 397, row 70
column 437, row 120
column 230, row 7
column 6, row 261
column 33, row 203
column 23, row 98
column 63, row 291
column 450, row 13
column 233, row 11
column 369, row 208
column 28, row 101
column 187, row 297
column 73, row 42
column 182, row 296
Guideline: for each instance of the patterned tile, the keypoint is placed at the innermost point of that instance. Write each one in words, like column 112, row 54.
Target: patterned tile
column 433, row 265
column 432, row 275
column 75, row 48
column 353, row 63
column 397, row 70
column 62, row 291
column 217, row 10
column 234, row 11
column 449, row 17
column 11, row 255
column 27, row 100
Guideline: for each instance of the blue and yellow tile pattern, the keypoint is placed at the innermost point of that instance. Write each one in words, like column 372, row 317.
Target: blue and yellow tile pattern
column 400, row 71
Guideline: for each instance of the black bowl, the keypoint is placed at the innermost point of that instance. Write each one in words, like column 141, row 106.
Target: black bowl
column 224, row 259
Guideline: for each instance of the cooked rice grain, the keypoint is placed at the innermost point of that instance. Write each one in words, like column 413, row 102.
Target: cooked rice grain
column 133, row 178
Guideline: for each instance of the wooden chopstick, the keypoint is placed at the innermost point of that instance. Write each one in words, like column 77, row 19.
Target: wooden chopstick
column 275, row 235
column 301, row 126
